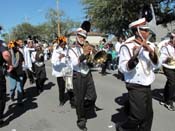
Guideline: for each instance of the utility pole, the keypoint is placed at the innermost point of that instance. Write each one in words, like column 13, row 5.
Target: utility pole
column 57, row 3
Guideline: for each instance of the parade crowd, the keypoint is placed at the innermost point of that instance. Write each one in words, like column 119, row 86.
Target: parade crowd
column 135, row 58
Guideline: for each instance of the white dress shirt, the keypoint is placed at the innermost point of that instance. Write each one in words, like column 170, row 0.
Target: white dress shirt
column 27, row 57
column 167, row 51
column 143, row 72
column 74, row 54
column 58, row 64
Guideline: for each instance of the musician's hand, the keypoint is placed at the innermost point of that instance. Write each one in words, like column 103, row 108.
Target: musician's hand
column 61, row 56
column 10, row 68
column 136, row 50
column 87, row 50
column 147, row 47
column 144, row 44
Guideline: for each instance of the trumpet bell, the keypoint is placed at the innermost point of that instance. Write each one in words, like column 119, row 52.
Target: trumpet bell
column 100, row 57
column 171, row 63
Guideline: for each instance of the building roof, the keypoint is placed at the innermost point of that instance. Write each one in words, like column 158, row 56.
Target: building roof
column 91, row 34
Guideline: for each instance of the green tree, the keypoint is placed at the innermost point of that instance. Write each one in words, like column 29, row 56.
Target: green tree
column 22, row 31
column 46, row 31
column 6, row 37
column 65, row 23
column 113, row 16
column 52, row 17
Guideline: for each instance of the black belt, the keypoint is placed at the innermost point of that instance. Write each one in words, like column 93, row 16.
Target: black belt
column 137, row 86
column 76, row 72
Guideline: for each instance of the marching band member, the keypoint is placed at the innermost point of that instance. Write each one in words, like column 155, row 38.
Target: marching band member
column 40, row 71
column 137, row 61
column 58, row 65
column 83, row 84
column 28, row 49
column 168, row 57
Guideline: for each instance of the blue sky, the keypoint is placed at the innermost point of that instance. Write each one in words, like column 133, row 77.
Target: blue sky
column 13, row 12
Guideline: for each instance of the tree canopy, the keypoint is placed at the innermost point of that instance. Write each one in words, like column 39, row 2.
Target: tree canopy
column 46, row 31
column 113, row 16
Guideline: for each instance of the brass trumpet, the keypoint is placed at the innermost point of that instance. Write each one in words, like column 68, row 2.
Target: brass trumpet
column 94, row 56
column 90, row 51
column 171, row 61
column 100, row 57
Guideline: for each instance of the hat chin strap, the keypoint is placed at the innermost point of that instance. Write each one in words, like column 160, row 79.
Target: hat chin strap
column 81, row 43
column 140, row 34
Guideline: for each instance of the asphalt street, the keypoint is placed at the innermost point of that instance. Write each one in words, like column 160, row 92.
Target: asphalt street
column 42, row 113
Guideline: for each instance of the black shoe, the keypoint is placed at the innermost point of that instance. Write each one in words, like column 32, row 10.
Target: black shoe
column 73, row 106
column 61, row 104
column 82, row 125
column 162, row 103
column 1, row 123
column 46, row 79
column 41, row 90
column 98, row 109
column 170, row 107
column 38, row 92
column 84, row 129
column 32, row 81
column 118, row 127
column 20, row 104
column 103, row 73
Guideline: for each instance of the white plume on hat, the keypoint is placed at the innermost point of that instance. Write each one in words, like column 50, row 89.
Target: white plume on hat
column 81, row 32
column 141, row 23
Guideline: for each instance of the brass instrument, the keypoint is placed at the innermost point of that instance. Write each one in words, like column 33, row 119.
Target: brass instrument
column 90, row 49
column 68, row 78
column 94, row 56
column 68, row 75
column 100, row 57
column 171, row 62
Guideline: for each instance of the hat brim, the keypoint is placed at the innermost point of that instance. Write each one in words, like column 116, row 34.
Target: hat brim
column 144, row 27
column 137, row 23
column 82, row 34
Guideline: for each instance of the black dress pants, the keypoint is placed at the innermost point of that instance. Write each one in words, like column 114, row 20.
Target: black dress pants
column 61, row 87
column 140, row 108
column 40, row 73
column 104, row 67
column 30, row 76
column 84, row 90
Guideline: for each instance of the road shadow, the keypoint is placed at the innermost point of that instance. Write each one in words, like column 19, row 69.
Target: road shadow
column 15, row 110
column 104, row 74
column 48, row 85
column 157, row 94
column 122, row 112
column 119, row 76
